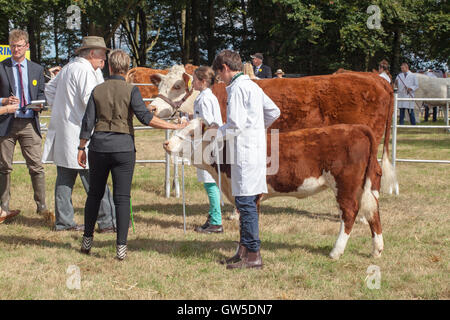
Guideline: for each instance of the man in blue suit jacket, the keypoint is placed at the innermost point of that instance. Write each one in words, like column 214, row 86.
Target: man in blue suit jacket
column 22, row 81
column 261, row 70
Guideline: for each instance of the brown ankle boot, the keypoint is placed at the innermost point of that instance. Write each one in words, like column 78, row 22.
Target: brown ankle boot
column 248, row 260
column 237, row 256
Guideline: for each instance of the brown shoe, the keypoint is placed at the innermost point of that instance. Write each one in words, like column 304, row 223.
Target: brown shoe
column 107, row 230
column 249, row 260
column 237, row 256
column 49, row 216
column 9, row 214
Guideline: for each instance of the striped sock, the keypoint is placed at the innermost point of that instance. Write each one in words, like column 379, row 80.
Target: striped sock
column 121, row 251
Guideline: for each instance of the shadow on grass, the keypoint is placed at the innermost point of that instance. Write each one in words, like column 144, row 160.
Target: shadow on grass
column 23, row 240
column 202, row 210
column 186, row 249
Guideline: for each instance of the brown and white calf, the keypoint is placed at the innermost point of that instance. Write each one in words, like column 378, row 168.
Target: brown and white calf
column 341, row 157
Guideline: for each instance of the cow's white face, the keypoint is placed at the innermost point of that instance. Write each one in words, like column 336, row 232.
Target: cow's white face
column 181, row 140
column 173, row 86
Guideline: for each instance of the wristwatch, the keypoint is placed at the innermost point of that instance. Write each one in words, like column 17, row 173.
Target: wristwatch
column 81, row 148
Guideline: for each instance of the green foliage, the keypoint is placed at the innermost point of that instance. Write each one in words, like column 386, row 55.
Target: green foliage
column 299, row 36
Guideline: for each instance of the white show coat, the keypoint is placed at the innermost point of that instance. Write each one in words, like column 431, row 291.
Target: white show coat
column 385, row 76
column 411, row 82
column 250, row 111
column 68, row 94
column 206, row 106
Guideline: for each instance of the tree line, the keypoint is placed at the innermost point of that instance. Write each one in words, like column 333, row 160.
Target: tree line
column 298, row 36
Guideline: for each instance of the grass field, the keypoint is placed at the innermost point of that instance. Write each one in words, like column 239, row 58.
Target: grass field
column 297, row 237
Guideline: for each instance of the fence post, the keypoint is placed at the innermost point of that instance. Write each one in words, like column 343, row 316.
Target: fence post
column 176, row 183
column 167, row 165
column 446, row 108
column 394, row 129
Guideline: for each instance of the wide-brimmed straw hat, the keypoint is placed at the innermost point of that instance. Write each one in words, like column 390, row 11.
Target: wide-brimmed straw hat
column 279, row 71
column 92, row 42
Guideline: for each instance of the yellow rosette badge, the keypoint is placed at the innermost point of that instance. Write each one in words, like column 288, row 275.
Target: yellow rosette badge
column 35, row 82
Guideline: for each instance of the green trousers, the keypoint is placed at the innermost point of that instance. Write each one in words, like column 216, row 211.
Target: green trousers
column 215, row 216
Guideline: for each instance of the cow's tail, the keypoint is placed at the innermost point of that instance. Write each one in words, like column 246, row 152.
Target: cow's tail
column 369, row 197
column 389, row 178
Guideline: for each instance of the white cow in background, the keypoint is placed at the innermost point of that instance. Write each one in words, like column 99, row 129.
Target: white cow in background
column 430, row 87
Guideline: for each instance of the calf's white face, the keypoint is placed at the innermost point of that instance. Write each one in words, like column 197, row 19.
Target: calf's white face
column 181, row 139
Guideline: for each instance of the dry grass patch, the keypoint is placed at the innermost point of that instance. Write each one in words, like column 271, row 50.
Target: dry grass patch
column 297, row 237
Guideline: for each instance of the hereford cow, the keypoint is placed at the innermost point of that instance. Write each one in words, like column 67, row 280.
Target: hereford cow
column 141, row 75
column 311, row 102
column 340, row 157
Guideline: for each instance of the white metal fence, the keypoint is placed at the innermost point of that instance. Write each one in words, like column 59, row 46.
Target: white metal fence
column 395, row 126
column 166, row 161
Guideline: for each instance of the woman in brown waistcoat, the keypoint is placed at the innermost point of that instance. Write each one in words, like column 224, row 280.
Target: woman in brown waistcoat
column 110, row 114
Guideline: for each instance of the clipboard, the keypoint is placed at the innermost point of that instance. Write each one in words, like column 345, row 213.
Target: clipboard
column 34, row 104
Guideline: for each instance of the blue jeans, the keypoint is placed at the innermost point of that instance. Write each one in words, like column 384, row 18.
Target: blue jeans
column 249, row 221
column 412, row 119
column 65, row 180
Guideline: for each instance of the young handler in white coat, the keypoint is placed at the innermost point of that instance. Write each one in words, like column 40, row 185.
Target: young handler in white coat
column 206, row 106
column 249, row 112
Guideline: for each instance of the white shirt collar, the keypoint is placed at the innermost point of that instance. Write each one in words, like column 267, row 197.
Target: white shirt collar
column 85, row 62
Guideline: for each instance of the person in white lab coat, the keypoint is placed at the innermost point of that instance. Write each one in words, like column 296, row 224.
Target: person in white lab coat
column 249, row 112
column 68, row 94
column 206, row 106
column 407, row 84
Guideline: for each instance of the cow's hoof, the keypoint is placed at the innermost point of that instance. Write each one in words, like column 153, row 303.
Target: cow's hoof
column 335, row 255
column 376, row 253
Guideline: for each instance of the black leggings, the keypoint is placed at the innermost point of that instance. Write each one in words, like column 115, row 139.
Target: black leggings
column 121, row 166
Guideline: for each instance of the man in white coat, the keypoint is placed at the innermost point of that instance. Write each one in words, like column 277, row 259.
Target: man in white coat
column 249, row 112
column 68, row 94
column 407, row 84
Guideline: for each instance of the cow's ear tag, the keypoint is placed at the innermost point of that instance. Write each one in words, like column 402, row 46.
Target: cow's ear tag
column 189, row 84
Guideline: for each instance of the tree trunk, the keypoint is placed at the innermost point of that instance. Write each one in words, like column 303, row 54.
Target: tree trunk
column 211, row 25
column 195, row 32
column 32, row 38
column 395, row 65
column 55, row 35
column 143, row 41
column 244, row 21
column 4, row 29
column 184, row 57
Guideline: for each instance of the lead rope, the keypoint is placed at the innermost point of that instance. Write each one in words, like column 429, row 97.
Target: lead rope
column 218, row 172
